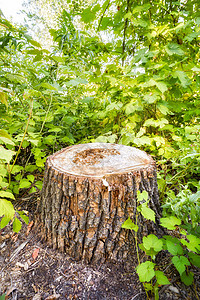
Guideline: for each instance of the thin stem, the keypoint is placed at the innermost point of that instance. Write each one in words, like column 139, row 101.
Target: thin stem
column 20, row 146
column 136, row 243
column 124, row 38
column 46, row 114
column 103, row 15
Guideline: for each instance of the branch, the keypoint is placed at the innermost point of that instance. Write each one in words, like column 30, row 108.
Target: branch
column 124, row 38
column 103, row 15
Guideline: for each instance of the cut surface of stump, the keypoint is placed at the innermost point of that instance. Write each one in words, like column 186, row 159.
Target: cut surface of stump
column 89, row 190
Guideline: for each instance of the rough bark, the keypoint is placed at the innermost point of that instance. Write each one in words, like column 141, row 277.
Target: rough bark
column 88, row 192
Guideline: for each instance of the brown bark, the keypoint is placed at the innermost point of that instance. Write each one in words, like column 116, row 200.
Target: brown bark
column 88, row 192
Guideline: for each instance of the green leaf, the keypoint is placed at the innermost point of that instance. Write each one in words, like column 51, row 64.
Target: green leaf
column 24, row 183
column 7, row 195
column 16, row 225
column 48, row 86
column 194, row 243
column 170, row 222
column 16, row 169
column 6, row 141
column 76, row 82
column 150, row 252
column 161, row 86
column 4, row 133
column 4, row 222
column 194, row 259
column 31, row 178
column 142, row 196
column 128, row 224
column 6, row 154
column 3, row 98
column 187, row 279
column 151, row 241
column 145, row 271
column 89, row 14
column 34, row 43
column 147, row 212
column 180, row 263
column 161, row 278
column 173, row 48
column 182, row 76
column 39, row 184
column 6, row 209
column 101, row 139
column 173, row 245
column 24, row 217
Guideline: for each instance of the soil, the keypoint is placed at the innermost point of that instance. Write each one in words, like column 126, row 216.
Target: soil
column 29, row 269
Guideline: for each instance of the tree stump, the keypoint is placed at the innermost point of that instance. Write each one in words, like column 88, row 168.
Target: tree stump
column 89, row 190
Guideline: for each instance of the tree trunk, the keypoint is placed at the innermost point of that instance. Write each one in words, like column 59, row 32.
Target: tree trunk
column 89, row 190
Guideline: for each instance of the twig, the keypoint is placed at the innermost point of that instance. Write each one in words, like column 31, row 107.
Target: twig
column 103, row 15
column 124, row 38
column 141, row 293
column 15, row 253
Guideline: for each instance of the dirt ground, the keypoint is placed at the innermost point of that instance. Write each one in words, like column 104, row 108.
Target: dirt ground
column 29, row 269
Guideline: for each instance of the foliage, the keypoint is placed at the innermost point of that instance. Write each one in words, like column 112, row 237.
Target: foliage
column 184, row 252
column 118, row 72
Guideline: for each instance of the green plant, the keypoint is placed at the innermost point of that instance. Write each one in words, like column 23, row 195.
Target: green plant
column 184, row 250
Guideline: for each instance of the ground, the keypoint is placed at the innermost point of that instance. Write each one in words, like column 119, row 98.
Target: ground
column 29, row 269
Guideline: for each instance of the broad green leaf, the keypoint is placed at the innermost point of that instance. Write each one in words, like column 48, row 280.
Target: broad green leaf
column 130, row 108
column 31, row 178
column 24, row 183
column 4, row 222
column 151, row 252
column 34, row 43
column 112, row 138
column 142, row 196
column 17, row 169
column 3, row 98
column 6, row 209
column 6, row 141
column 187, row 279
column 170, row 222
column 89, row 14
column 6, row 195
column 147, row 212
column 16, row 225
column 173, row 48
column 161, row 86
column 39, row 184
column 151, row 98
column 76, row 82
column 164, row 110
column 48, row 86
column 194, row 243
column 16, row 78
column 151, row 241
column 140, row 8
column 194, row 259
column 191, row 36
column 6, row 154
column 182, row 76
column 161, row 278
column 180, row 263
column 101, row 139
column 24, row 217
column 4, row 133
column 174, row 248
column 128, row 224
column 145, row 271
